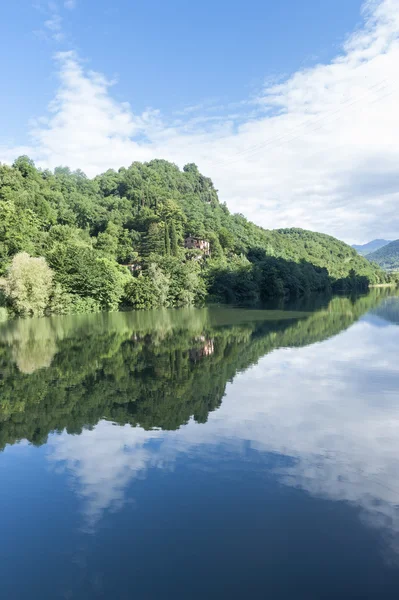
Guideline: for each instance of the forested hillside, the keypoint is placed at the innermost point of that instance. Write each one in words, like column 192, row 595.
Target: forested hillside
column 64, row 239
column 387, row 257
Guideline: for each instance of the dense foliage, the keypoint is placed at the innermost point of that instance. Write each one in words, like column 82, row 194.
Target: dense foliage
column 85, row 229
column 152, row 368
column 387, row 257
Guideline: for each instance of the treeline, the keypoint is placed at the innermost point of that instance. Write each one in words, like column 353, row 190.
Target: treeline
column 64, row 239
column 153, row 369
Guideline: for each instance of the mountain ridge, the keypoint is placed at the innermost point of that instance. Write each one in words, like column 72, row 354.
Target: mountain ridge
column 364, row 249
column 386, row 257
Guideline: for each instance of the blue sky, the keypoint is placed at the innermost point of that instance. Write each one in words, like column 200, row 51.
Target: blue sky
column 183, row 81
column 167, row 55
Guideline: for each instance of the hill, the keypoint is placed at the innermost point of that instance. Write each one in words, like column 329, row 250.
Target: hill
column 387, row 257
column 85, row 229
column 372, row 246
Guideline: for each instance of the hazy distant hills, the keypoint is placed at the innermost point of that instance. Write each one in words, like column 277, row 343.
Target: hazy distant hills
column 370, row 246
column 387, row 256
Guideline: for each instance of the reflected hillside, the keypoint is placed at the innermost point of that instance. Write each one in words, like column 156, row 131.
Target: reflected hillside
column 153, row 369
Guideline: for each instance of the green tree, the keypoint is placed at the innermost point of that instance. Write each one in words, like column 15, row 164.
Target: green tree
column 216, row 247
column 80, row 271
column 107, row 241
column 167, row 239
column 174, row 247
column 160, row 283
column 28, row 285
column 152, row 242
column 226, row 239
column 140, row 292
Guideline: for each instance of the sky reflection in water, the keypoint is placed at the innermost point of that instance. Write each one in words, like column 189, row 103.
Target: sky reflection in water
column 302, row 453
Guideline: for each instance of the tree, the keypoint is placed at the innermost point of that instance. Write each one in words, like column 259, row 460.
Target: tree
column 174, row 248
column 140, row 292
column 226, row 239
column 216, row 248
column 80, row 271
column 152, row 242
column 25, row 166
column 167, row 240
column 191, row 168
column 127, row 241
column 160, row 283
column 112, row 280
column 107, row 241
column 19, row 228
column 29, row 284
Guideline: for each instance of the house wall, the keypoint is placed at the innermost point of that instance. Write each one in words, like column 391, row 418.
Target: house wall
column 191, row 242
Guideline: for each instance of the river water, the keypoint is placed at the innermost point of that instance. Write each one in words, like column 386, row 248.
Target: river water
column 202, row 453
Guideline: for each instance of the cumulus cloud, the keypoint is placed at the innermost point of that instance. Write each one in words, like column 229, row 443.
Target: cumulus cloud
column 86, row 126
column 317, row 150
column 338, row 424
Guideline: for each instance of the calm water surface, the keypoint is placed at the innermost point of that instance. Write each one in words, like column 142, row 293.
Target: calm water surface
column 210, row 453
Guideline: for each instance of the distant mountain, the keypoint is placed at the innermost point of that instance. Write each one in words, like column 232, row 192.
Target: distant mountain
column 372, row 246
column 387, row 256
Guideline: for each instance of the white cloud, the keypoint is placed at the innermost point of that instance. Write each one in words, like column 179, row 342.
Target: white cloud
column 53, row 23
column 70, row 4
column 52, row 26
column 103, row 467
column 338, row 423
column 318, row 150
column 86, row 126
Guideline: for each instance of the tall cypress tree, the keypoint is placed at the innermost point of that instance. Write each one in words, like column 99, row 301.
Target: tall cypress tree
column 167, row 240
column 173, row 240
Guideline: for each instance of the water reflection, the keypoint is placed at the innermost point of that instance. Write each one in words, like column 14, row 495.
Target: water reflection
column 102, row 463
column 317, row 392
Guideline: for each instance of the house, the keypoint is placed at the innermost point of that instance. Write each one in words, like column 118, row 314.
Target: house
column 195, row 243
column 133, row 267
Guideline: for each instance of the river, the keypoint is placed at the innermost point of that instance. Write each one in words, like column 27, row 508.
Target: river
column 202, row 453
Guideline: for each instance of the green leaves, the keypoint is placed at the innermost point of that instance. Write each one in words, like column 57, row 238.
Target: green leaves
column 28, row 285
column 174, row 247
column 141, row 215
